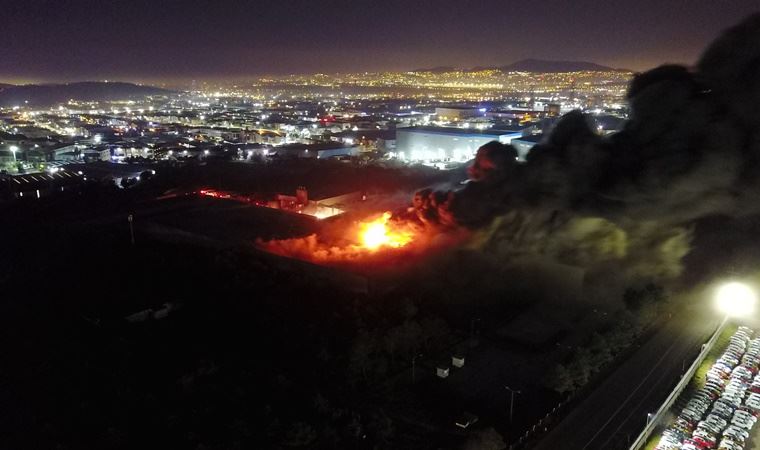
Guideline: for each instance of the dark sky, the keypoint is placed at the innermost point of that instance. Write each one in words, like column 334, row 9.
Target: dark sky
column 167, row 39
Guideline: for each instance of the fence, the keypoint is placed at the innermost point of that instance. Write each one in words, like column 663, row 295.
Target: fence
column 641, row 441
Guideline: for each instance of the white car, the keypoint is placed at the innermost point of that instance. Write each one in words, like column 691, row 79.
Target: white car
column 744, row 420
column 717, row 420
column 735, row 400
column 736, row 433
column 741, row 373
column 753, row 402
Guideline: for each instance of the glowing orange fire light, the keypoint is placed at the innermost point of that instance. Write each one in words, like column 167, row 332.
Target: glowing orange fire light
column 378, row 233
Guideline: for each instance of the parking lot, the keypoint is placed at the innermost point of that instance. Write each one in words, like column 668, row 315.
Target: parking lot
column 722, row 408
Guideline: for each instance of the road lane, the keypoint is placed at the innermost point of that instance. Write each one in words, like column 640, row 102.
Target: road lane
column 616, row 411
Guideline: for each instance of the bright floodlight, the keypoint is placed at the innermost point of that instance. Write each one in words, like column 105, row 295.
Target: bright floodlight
column 736, row 299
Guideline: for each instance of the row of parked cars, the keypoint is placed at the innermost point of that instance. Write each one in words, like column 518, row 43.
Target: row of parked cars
column 722, row 413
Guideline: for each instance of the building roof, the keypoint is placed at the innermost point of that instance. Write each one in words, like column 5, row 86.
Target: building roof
column 535, row 138
column 515, row 128
column 457, row 131
column 367, row 134
column 313, row 147
column 43, row 180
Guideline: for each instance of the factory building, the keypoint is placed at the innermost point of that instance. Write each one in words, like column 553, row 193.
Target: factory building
column 318, row 151
column 446, row 143
column 524, row 144
column 455, row 113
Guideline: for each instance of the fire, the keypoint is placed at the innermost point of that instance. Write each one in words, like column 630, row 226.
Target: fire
column 363, row 241
column 378, row 233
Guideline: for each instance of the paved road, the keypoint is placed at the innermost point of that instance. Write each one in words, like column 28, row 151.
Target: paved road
column 615, row 413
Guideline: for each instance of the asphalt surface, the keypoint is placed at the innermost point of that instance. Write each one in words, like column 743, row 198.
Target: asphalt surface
column 615, row 413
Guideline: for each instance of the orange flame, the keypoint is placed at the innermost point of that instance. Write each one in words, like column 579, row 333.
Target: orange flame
column 377, row 233
column 362, row 241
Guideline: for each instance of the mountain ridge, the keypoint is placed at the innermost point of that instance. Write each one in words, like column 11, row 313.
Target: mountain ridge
column 48, row 94
column 545, row 65
column 532, row 65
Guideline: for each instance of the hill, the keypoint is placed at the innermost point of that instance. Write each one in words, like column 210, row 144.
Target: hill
column 50, row 94
column 531, row 65
column 439, row 69
column 542, row 65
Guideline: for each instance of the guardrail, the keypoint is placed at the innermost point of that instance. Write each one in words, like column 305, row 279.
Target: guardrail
column 685, row 379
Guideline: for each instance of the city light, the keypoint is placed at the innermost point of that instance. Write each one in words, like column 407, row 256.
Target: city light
column 736, row 299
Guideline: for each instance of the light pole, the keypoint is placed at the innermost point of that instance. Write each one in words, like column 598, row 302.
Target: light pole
column 131, row 229
column 14, row 149
column 414, row 362
column 511, row 401
column 735, row 300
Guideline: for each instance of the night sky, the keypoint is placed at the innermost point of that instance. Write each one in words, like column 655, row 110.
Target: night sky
column 63, row 40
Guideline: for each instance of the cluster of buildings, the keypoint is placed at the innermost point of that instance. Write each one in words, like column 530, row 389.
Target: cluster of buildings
column 260, row 124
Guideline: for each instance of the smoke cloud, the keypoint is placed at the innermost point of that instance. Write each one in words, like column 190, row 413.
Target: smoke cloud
column 624, row 204
column 623, row 208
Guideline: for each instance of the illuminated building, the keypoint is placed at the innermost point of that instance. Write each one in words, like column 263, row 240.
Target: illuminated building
column 524, row 144
column 455, row 113
column 319, row 151
column 446, row 143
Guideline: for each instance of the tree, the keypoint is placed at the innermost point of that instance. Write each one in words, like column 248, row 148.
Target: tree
column 404, row 339
column 409, row 309
column 381, row 426
column 487, row 439
column 321, row 403
column 434, row 333
column 361, row 356
column 560, row 380
column 601, row 354
column 636, row 299
column 301, row 434
column 580, row 368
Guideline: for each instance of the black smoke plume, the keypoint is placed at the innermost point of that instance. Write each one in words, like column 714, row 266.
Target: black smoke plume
column 624, row 205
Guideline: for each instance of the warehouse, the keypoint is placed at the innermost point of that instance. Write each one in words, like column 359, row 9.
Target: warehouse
column 446, row 143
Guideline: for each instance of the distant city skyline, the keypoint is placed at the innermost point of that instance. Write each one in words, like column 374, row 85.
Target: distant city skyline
column 142, row 41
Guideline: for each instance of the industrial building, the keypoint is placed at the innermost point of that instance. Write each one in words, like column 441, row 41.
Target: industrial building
column 447, row 143
column 319, row 151
column 456, row 113
column 524, row 144
column 40, row 184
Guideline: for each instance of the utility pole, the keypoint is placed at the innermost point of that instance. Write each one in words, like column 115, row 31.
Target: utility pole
column 511, row 401
column 414, row 361
column 131, row 229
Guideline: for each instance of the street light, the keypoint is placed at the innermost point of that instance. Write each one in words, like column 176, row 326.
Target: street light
column 14, row 149
column 736, row 299
column 511, row 401
column 130, row 219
